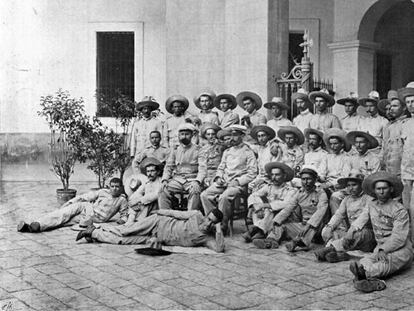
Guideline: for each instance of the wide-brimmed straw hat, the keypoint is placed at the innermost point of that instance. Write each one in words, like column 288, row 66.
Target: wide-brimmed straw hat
column 406, row 91
column 176, row 98
column 354, row 175
column 208, row 93
column 289, row 173
column 372, row 141
column 229, row 97
column 309, row 131
column 372, row 97
column 301, row 94
column 207, row 126
column 369, row 183
column 351, row 98
column 309, row 169
column 237, row 128
column 149, row 161
column 132, row 180
column 148, row 101
column 262, row 128
column 300, row 138
column 247, row 94
column 277, row 101
column 335, row 132
column 324, row 93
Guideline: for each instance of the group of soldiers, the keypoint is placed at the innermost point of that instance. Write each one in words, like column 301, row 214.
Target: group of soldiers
column 317, row 178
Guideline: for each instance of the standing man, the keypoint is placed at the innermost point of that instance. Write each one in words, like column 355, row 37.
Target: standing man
column 391, row 225
column 316, row 155
column 293, row 155
column 238, row 167
column 177, row 106
column 352, row 121
column 365, row 160
column 278, row 107
column 226, row 103
column 322, row 119
column 184, row 172
column 204, row 102
column 144, row 124
column 302, row 102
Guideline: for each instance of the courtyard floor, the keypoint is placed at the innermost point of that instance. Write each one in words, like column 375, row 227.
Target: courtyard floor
column 50, row 271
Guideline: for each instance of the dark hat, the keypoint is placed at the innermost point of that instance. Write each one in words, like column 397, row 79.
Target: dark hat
column 369, row 183
column 206, row 126
column 291, row 129
column 382, row 104
column 372, row 141
column 285, row 168
column 149, row 161
column 313, row 131
column 277, row 101
column 222, row 133
column 208, row 93
column 373, row 97
column 335, row 132
column 176, row 98
column 255, row 97
column 148, row 101
column 324, row 93
column 354, row 175
column 262, row 128
column 352, row 98
column 229, row 97
column 150, row 251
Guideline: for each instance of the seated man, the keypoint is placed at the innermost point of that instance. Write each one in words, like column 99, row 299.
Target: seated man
column 184, row 172
column 237, row 168
column 316, row 155
column 166, row 227
column 269, row 200
column 301, row 218
column 334, row 232
column 144, row 201
column 391, row 225
column 292, row 152
column 96, row 206
column 155, row 150
column 365, row 160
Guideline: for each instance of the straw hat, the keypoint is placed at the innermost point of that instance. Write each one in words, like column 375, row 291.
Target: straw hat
column 373, row 97
column 229, row 97
column 277, row 101
column 301, row 94
column 300, row 139
column 372, row 141
column 208, row 93
column 352, row 98
column 148, row 101
column 369, row 183
column 247, row 94
column 237, row 128
column 335, row 132
column 149, row 161
column 324, row 93
column 289, row 173
column 262, row 128
column 309, row 169
column 207, row 126
column 176, row 98
column 186, row 126
column 309, row 131
column 354, row 175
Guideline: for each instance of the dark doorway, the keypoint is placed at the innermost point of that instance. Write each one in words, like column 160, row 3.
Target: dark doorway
column 384, row 74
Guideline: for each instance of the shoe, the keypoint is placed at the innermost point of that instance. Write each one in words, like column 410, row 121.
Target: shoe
column 272, row 243
column 335, row 256
column 87, row 234
column 23, row 227
column 321, row 253
column 249, row 221
column 266, row 243
column 259, row 236
column 247, row 237
column 369, row 285
column 357, row 270
column 290, row 246
column 34, row 227
column 259, row 243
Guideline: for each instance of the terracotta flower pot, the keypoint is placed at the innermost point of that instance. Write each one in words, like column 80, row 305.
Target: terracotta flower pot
column 65, row 195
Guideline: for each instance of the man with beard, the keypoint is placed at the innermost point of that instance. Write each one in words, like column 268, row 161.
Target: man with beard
column 392, row 145
column 166, row 227
column 373, row 123
column 334, row 232
column 292, row 152
column 270, row 199
column 391, row 225
column 204, row 102
column 184, row 171
column 322, row 119
column 144, row 201
column 352, row 121
column 316, row 155
column 301, row 218
column 277, row 107
column 302, row 102
column 366, row 161
column 238, row 167
column 226, row 103
column 144, row 124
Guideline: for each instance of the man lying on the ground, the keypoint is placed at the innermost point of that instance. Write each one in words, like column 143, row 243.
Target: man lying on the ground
column 167, row 227
column 391, row 225
column 93, row 207
column 334, row 232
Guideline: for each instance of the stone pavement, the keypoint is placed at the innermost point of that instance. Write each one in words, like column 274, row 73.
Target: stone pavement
column 50, row 271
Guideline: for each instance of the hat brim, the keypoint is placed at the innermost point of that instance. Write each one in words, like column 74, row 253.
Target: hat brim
column 404, row 92
column 287, row 129
column 347, row 145
column 256, row 98
column 308, row 171
column 197, row 100
column 150, row 251
column 262, row 128
column 363, row 101
column 370, row 181
column 342, row 101
column 229, row 97
column 302, row 96
column 151, row 104
column 330, row 101
column 222, row 133
column 343, row 181
column 372, row 141
column 208, row 126
column 285, row 168
column 281, row 106
column 382, row 104
column 309, row 131
column 149, row 161
column 176, row 98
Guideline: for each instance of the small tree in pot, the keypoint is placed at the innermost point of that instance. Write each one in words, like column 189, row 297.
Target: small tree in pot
column 67, row 121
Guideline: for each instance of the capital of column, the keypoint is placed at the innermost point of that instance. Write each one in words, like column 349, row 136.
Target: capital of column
column 366, row 46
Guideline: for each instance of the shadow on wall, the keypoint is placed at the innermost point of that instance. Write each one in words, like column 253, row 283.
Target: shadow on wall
column 24, row 147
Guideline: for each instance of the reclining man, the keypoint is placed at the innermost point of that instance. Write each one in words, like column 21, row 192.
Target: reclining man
column 166, row 227
column 391, row 225
column 93, row 207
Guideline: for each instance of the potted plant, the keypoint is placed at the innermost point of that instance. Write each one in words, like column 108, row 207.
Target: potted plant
column 67, row 120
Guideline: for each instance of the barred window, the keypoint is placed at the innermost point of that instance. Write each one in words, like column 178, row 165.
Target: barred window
column 114, row 66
